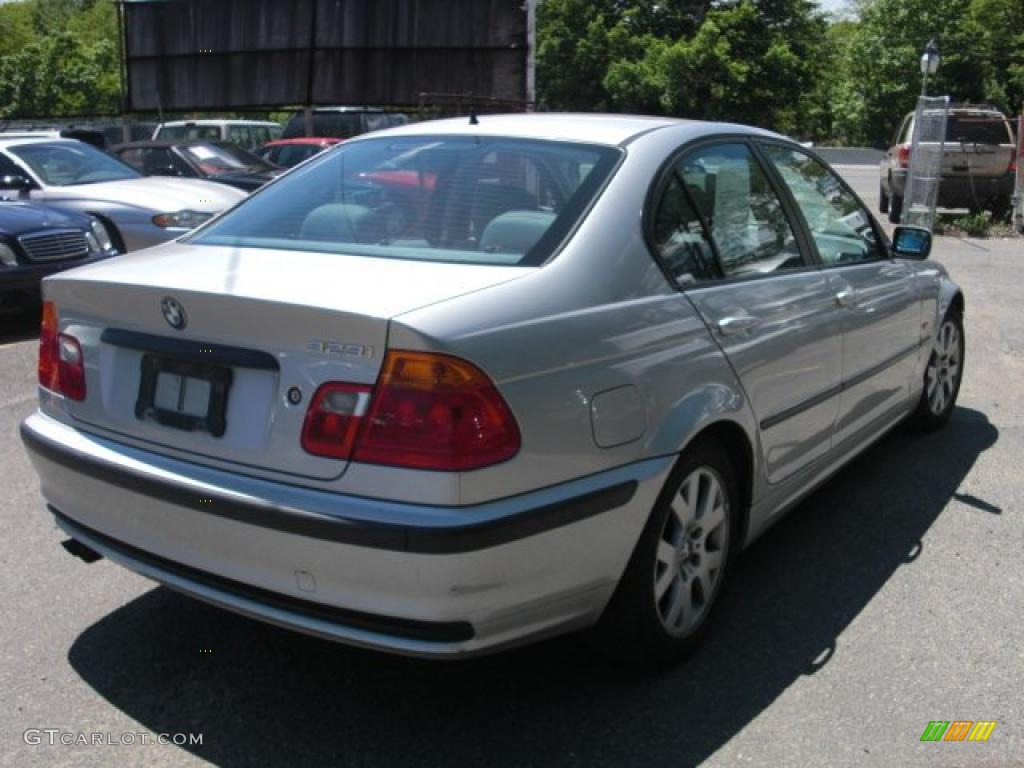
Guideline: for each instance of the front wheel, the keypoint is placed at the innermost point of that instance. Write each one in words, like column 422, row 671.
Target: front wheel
column 664, row 602
column 943, row 375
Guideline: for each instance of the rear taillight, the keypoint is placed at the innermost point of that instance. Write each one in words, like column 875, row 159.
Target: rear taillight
column 903, row 155
column 333, row 419
column 428, row 411
column 61, row 364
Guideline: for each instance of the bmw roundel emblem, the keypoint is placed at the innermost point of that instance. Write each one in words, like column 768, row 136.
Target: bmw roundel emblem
column 174, row 313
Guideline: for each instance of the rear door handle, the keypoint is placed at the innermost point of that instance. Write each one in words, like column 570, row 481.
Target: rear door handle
column 847, row 298
column 730, row 326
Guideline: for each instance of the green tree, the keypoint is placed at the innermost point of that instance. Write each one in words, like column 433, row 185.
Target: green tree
column 883, row 77
column 64, row 61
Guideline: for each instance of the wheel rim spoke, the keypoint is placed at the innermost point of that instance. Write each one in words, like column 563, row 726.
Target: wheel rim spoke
column 711, row 561
column 677, row 606
column 666, row 554
column 664, row 582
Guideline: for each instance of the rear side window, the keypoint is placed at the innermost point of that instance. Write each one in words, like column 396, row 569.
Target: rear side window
column 749, row 227
column 439, row 198
column 679, row 237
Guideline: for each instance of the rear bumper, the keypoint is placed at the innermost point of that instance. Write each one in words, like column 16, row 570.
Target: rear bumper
column 426, row 581
column 962, row 191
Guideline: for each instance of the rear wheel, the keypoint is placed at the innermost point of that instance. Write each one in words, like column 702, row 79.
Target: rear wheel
column 943, row 374
column 883, row 199
column 665, row 600
column 1002, row 207
column 895, row 208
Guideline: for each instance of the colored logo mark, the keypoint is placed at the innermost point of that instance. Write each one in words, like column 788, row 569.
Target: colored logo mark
column 958, row 730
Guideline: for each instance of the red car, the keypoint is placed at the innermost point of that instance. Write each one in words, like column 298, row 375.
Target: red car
column 288, row 152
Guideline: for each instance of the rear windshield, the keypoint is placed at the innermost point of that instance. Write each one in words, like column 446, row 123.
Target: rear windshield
column 978, row 129
column 438, row 198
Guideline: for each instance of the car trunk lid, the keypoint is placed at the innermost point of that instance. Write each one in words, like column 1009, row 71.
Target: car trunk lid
column 168, row 332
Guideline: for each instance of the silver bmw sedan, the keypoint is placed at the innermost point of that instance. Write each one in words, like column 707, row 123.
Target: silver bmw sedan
column 453, row 386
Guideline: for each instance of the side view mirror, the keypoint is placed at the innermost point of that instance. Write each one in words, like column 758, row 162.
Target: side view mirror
column 912, row 243
column 14, row 181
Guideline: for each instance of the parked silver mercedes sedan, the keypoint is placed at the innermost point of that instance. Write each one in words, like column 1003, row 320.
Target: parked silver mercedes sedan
column 454, row 386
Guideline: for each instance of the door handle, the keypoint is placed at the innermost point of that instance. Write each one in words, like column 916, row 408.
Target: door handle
column 730, row 326
column 847, row 298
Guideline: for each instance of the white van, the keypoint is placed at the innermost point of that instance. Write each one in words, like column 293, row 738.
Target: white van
column 248, row 134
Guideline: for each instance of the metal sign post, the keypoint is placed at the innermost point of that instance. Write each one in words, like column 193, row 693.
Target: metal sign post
column 927, row 148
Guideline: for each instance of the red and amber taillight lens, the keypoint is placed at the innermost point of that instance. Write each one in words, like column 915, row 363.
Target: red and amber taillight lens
column 903, row 155
column 49, row 352
column 61, row 364
column 436, row 412
column 428, row 411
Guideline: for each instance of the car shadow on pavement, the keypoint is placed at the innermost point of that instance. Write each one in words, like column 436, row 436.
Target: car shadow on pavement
column 264, row 696
column 19, row 326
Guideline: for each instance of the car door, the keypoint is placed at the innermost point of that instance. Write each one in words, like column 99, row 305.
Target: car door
column 878, row 295
column 746, row 270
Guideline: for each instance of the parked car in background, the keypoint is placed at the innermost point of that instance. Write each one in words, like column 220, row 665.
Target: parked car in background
column 978, row 163
column 36, row 241
column 94, row 136
column 342, row 122
column 137, row 211
column 219, row 161
column 248, row 134
column 287, row 153
column 609, row 354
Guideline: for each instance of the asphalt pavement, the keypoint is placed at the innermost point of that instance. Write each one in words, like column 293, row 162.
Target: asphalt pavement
column 891, row 598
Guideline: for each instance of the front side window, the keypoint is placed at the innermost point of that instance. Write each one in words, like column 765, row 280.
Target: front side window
column 746, row 219
column 67, row 163
column 442, row 198
column 839, row 224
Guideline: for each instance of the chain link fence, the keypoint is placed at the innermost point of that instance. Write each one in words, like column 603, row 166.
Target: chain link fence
column 927, row 147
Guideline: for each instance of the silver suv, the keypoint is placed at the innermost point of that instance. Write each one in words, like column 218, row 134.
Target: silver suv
column 978, row 163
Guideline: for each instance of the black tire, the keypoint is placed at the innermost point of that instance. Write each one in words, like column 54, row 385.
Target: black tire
column 883, row 199
column 633, row 627
column 895, row 208
column 929, row 415
column 1002, row 208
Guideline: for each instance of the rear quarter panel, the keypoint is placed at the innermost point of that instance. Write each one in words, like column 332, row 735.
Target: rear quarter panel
column 599, row 316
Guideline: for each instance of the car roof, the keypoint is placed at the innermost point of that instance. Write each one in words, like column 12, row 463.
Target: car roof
column 216, row 121
column 23, row 140
column 614, row 130
column 312, row 140
column 375, row 110
column 168, row 143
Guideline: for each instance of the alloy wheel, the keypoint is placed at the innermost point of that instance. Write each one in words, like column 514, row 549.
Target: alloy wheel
column 692, row 552
column 944, row 368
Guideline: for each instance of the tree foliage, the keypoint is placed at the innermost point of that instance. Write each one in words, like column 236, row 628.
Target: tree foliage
column 60, row 59
column 778, row 63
